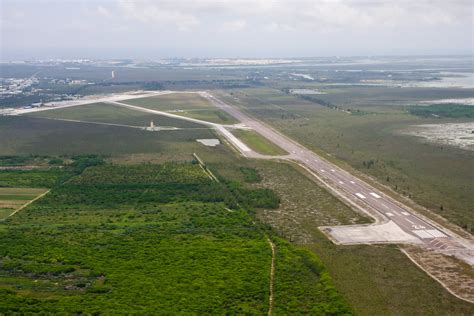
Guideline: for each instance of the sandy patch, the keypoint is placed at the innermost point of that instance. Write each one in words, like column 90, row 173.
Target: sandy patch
column 464, row 101
column 454, row 134
column 211, row 142
column 306, row 91
column 453, row 274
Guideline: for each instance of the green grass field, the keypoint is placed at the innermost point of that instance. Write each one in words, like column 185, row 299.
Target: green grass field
column 173, row 101
column 112, row 239
column 28, row 135
column 258, row 143
column 185, row 104
column 106, row 113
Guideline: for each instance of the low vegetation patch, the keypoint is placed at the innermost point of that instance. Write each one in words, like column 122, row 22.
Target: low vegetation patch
column 449, row 110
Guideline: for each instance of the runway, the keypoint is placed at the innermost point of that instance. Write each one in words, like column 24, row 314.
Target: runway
column 408, row 227
column 356, row 191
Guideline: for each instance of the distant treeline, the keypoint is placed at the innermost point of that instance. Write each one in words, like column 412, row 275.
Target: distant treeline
column 451, row 110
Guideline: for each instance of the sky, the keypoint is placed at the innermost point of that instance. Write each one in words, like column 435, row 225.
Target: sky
column 154, row 29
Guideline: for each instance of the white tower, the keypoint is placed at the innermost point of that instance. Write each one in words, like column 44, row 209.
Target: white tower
column 113, row 74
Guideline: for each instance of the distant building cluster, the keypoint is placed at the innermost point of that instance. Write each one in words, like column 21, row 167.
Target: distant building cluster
column 15, row 86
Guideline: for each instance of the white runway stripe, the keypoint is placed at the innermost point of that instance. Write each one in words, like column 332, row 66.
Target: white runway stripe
column 375, row 195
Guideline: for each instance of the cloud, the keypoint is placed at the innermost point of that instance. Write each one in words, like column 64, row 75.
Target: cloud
column 312, row 15
column 103, row 12
column 154, row 14
column 263, row 27
column 233, row 26
column 278, row 27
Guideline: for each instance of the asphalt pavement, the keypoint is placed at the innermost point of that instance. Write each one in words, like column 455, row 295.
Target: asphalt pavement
column 356, row 190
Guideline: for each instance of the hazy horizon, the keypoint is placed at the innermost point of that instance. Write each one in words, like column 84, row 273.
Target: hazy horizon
column 233, row 29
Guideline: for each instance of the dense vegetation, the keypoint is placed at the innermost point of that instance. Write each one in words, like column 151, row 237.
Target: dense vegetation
column 32, row 178
column 147, row 239
column 297, row 272
column 451, row 110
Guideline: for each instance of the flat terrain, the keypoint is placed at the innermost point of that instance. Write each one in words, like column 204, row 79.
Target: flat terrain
column 185, row 238
column 292, row 225
column 406, row 225
column 451, row 134
column 370, row 277
column 435, row 176
column 106, row 113
column 26, row 135
column 185, row 104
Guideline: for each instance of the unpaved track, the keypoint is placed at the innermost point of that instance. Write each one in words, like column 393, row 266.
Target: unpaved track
column 272, row 277
column 25, row 205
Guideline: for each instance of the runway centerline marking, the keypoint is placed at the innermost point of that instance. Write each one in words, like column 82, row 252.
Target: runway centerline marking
column 375, row 195
column 360, row 195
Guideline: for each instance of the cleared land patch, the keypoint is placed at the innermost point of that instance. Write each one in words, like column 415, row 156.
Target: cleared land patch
column 13, row 198
column 453, row 134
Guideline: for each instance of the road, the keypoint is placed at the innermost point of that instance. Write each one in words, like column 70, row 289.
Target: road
column 358, row 191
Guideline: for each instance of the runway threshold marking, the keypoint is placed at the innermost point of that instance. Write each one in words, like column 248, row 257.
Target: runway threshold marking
column 360, row 195
column 422, row 234
column 352, row 182
column 341, row 182
column 435, row 233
